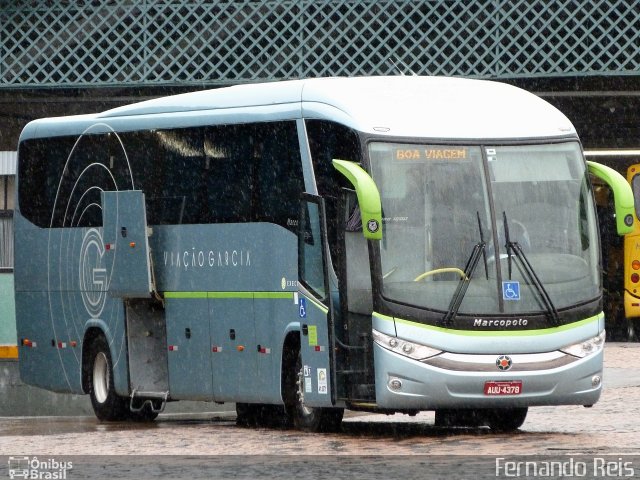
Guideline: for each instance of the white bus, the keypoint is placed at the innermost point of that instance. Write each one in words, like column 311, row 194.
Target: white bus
column 386, row 244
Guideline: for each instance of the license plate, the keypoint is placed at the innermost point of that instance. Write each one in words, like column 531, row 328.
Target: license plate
column 513, row 387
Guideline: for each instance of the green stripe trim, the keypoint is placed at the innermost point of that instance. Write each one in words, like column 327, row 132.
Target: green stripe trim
column 273, row 295
column 495, row 333
column 383, row 317
column 258, row 295
column 185, row 294
column 230, row 294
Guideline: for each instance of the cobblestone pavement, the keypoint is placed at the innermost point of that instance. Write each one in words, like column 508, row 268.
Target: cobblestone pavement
column 611, row 427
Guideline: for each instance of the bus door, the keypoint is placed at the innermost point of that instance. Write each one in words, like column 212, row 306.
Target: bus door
column 354, row 355
column 128, row 276
column 632, row 260
column 315, row 305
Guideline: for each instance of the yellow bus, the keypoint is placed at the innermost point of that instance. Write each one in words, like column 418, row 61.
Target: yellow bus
column 632, row 260
column 620, row 255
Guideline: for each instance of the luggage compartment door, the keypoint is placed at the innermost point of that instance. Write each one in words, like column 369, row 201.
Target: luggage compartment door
column 126, row 244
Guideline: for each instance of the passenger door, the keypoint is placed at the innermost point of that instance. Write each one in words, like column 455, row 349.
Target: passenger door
column 315, row 305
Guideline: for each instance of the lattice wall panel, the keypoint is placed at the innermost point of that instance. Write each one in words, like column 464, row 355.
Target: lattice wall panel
column 100, row 42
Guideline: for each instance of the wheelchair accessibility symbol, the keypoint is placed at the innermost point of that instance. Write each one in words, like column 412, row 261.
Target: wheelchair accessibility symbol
column 511, row 290
column 303, row 308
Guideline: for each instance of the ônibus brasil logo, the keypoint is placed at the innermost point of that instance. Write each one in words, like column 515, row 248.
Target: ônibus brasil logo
column 32, row 467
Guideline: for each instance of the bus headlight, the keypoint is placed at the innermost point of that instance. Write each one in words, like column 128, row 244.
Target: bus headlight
column 413, row 350
column 586, row 347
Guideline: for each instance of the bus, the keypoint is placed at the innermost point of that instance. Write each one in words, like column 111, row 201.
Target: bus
column 382, row 244
column 620, row 255
column 632, row 260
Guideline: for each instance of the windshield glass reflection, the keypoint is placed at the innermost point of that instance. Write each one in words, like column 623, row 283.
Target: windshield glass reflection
column 441, row 202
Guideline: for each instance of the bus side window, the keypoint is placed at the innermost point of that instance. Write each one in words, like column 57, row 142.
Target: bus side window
column 328, row 141
column 181, row 198
column 359, row 297
column 635, row 187
column 229, row 157
column 279, row 174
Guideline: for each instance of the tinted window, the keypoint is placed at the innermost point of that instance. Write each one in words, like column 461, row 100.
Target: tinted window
column 61, row 178
column 635, row 186
column 329, row 141
column 227, row 173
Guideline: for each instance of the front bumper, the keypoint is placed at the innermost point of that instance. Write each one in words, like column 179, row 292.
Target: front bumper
column 458, row 381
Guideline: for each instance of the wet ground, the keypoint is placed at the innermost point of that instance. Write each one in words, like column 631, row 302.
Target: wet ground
column 609, row 431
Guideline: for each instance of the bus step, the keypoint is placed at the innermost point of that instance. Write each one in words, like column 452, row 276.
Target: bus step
column 363, row 391
column 352, row 372
column 362, row 405
column 148, row 398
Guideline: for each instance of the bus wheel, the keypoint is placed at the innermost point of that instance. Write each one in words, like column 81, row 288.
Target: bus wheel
column 246, row 415
column 107, row 405
column 497, row 419
column 506, row 419
column 459, row 417
column 261, row 415
column 303, row 417
column 633, row 329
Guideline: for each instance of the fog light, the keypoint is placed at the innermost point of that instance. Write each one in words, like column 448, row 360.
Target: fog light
column 395, row 384
column 596, row 380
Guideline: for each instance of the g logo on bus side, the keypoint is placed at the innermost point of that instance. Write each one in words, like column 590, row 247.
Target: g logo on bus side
column 373, row 226
column 93, row 274
column 628, row 220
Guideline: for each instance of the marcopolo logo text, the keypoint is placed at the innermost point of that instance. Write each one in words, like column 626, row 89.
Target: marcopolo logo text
column 500, row 322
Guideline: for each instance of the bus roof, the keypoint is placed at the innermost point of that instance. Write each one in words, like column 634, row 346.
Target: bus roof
column 400, row 106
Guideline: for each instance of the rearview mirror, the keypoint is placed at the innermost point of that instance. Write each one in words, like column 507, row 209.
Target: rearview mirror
column 368, row 197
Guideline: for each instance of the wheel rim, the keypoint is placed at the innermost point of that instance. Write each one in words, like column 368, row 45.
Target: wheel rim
column 101, row 377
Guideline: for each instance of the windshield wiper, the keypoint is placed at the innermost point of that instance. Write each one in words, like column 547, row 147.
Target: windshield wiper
column 484, row 252
column 530, row 273
column 463, row 284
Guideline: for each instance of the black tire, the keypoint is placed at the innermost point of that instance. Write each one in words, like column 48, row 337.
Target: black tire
column 107, row 405
column 246, row 415
column 497, row 419
column 261, row 415
column 459, row 417
column 633, row 329
column 506, row 419
column 301, row 416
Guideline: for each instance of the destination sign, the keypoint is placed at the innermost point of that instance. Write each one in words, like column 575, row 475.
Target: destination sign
column 430, row 153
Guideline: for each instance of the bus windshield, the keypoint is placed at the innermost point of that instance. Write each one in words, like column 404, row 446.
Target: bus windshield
column 516, row 223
